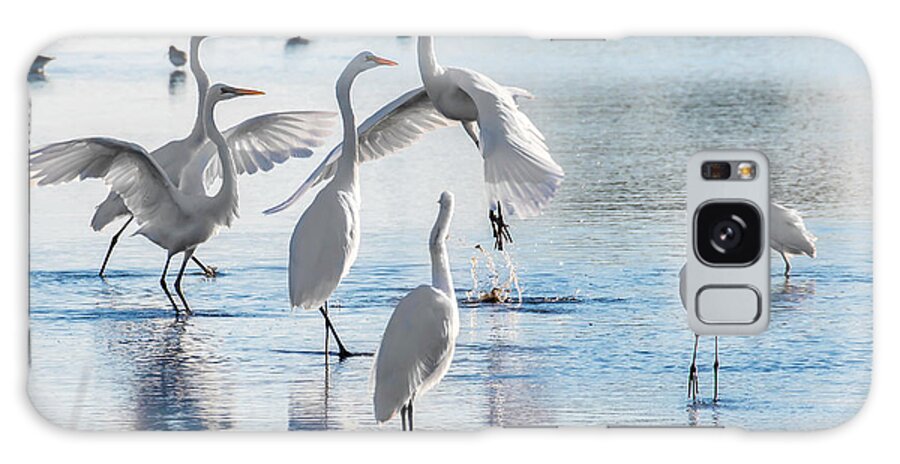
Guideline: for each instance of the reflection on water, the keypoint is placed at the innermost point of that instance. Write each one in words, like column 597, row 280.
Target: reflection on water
column 176, row 81
column 592, row 332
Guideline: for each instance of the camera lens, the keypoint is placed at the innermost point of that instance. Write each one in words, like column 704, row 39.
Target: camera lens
column 728, row 233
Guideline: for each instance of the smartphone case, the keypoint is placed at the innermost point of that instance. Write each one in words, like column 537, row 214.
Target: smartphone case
column 583, row 144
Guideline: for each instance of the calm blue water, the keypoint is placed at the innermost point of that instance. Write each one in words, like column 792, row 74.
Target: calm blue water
column 599, row 337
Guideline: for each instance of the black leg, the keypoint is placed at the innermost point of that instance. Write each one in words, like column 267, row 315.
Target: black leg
column 403, row 417
column 716, row 373
column 327, row 338
column 112, row 244
column 499, row 228
column 342, row 351
column 693, row 376
column 787, row 265
column 162, row 283
column 187, row 257
column 208, row 271
column 409, row 410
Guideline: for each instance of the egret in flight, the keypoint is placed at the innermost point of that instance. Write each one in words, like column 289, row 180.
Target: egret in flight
column 420, row 338
column 788, row 235
column 325, row 241
column 257, row 144
column 520, row 175
column 173, row 219
column 177, row 57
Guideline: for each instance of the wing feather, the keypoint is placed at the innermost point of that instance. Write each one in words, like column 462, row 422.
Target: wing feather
column 518, row 169
column 259, row 143
column 126, row 167
column 395, row 126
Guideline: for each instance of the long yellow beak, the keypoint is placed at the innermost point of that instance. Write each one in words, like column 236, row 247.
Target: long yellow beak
column 384, row 61
column 240, row 91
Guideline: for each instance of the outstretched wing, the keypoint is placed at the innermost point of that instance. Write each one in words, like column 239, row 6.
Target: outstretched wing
column 415, row 351
column 394, row 127
column 259, row 143
column 124, row 166
column 518, row 169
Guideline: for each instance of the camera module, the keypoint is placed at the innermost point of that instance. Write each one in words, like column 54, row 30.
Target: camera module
column 728, row 233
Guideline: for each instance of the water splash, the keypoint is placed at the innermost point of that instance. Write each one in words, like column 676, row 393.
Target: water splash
column 491, row 289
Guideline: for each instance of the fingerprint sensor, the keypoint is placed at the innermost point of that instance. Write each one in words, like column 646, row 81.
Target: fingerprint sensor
column 723, row 304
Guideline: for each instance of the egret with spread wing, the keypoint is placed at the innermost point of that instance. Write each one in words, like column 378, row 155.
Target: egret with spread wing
column 325, row 241
column 420, row 338
column 257, row 145
column 520, row 175
column 169, row 217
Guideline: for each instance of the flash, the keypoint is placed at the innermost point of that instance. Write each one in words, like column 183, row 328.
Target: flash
column 746, row 170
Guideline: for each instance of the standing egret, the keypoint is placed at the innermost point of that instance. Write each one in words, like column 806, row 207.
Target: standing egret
column 520, row 176
column 693, row 374
column 36, row 71
column 325, row 241
column 177, row 57
column 788, row 235
column 257, row 144
column 169, row 217
column 420, row 338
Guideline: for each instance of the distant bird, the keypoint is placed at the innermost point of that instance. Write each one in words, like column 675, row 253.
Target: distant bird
column 36, row 72
column 296, row 41
column 420, row 338
column 520, row 175
column 177, row 57
column 788, row 235
column 257, row 144
column 325, row 241
column 171, row 218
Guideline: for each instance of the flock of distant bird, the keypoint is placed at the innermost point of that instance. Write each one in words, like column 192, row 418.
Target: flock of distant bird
column 168, row 192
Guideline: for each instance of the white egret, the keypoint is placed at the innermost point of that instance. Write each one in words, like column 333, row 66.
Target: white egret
column 169, row 217
column 257, row 144
column 177, row 57
column 420, row 338
column 520, row 175
column 36, row 71
column 325, row 241
column 788, row 235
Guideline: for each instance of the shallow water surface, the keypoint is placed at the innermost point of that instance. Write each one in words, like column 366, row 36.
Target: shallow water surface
column 598, row 338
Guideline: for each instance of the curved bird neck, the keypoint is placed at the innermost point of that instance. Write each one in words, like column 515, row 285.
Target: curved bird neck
column 198, row 134
column 348, row 169
column 227, row 196
column 441, row 278
column 428, row 65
